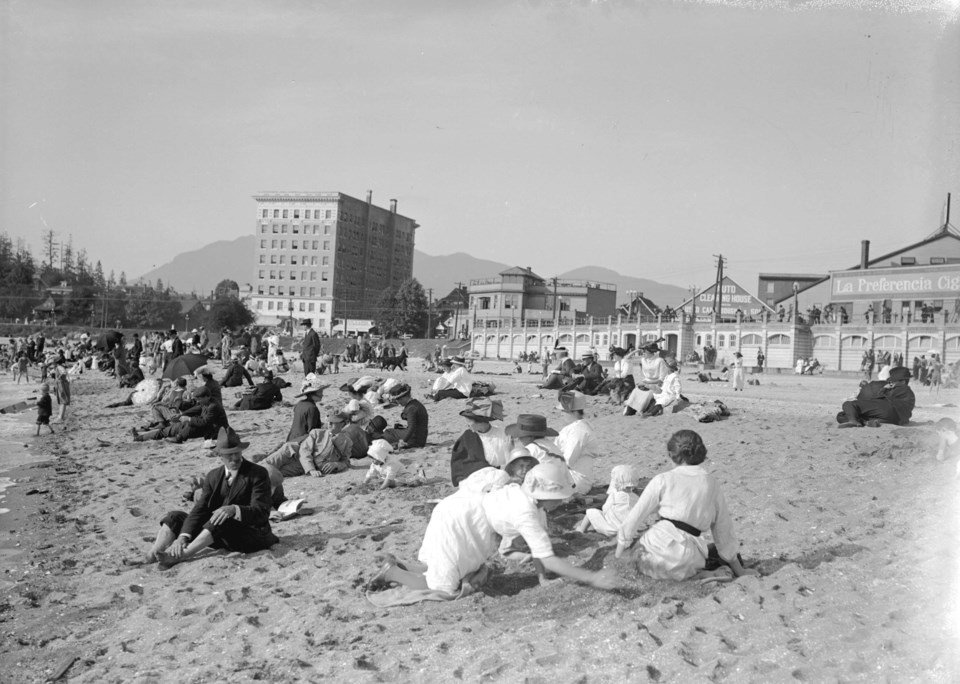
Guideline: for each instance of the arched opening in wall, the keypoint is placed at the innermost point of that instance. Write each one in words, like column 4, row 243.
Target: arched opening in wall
column 566, row 338
column 504, row 339
column 518, row 339
column 548, row 340
column 887, row 342
column 824, row 342
column 478, row 339
column 699, row 342
column 751, row 339
column 721, row 341
column 732, row 341
column 920, row 343
column 531, row 338
column 953, row 344
column 650, row 337
column 629, row 340
column 491, row 339
column 583, row 337
column 779, row 340
column 673, row 343
column 855, row 342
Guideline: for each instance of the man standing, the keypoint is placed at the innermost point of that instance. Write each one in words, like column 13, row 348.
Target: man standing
column 232, row 512
column 760, row 359
column 880, row 401
column 310, row 348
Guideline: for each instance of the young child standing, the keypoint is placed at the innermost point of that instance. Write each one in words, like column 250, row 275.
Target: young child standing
column 44, row 408
column 62, row 389
column 688, row 500
column 621, row 497
column 22, row 371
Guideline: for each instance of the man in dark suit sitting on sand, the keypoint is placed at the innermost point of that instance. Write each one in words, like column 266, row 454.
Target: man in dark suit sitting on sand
column 232, row 512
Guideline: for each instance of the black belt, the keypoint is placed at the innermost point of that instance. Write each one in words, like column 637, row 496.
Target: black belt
column 689, row 529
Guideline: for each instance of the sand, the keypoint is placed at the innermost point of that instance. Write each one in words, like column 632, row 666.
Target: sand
column 855, row 532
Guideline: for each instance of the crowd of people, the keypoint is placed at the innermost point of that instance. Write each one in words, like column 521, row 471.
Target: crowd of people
column 508, row 473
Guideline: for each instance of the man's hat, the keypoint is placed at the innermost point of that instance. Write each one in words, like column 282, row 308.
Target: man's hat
column 589, row 354
column 306, row 322
column 899, row 373
column 530, row 425
column 228, row 442
column 401, row 389
column 483, row 409
column 572, row 401
column 652, row 348
column 201, row 392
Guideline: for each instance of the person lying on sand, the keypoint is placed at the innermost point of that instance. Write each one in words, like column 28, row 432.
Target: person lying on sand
column 263, row 395
column 202, row 421
column 879, row 401
column 688, row 500
column 465, row 531
column 321, row 452
column 232, row 513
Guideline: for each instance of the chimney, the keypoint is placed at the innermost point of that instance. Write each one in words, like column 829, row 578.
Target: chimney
column 864, row 254
column 369, row 196
column 393, row 206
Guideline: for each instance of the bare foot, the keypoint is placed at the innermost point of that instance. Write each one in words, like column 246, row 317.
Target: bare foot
column 546, row 583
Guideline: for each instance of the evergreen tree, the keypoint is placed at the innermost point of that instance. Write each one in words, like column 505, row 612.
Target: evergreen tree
column 98, row 280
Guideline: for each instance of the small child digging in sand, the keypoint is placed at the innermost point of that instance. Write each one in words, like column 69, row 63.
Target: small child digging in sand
column 621, row 497
column 387, row 466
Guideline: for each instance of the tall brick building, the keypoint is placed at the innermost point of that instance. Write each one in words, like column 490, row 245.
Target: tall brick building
column 326, row 256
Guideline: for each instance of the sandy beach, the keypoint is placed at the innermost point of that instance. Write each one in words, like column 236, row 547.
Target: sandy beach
column 854, row 531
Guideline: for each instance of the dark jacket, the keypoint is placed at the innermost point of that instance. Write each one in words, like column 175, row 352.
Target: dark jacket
column 310, row 348
column 306, row 417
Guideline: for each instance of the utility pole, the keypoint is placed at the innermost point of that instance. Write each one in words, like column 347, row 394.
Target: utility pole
column 556, row 321
column 717, row 309
column 456, row 315
column 693, row 301
column 429, row 311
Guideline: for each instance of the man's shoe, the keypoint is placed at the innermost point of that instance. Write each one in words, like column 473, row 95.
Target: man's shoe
column 173, row 440
column 136, row 435
column 849, row 425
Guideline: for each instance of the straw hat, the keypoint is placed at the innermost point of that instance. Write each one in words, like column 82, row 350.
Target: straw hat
column 228, row 442
column 483, row 409
column 457, row 361
column 530, row 425
column 311, row 386
column 549, row 480
column 572, row 401
column 399, row 390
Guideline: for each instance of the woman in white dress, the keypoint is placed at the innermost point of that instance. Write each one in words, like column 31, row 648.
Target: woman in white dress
column 688, row 501
column 465, row 531
column 654, row 402
column 737, row 375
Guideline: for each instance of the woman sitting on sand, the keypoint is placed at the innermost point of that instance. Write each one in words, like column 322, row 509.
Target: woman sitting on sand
column 651, row 402
column 688, row 500
column 455, row 383
column 464, row 531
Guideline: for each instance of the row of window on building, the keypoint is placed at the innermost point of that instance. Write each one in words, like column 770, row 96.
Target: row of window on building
column 303, row 307
column 304, row 261
column 282, row 275
column 280, row 291
column 295, row 244
column 286, row 213
column 281, row 229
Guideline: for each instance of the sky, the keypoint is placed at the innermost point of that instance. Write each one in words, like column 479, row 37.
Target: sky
column 645, row 137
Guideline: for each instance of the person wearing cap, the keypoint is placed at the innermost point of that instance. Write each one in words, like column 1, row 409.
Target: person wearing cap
column 465, row 531
column 653, row 402
column 320, row 452
column 560, row 373
column 306, row 413
column 413, row 435
column 688, row 501
column 309, row 347
column 263, row 396
column 231, row 513
column 483, row 444
column 388, row 468
column 588, row 375
column 455, row 383
column 532, row 433
column 203, row 420
column 879, row 401
column 576, row 441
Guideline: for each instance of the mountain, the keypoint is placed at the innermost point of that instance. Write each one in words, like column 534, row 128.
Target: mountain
column 200, row 270
column 661, row 295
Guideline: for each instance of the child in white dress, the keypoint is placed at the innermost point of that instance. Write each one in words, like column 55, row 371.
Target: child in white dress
column 387, row 467
column 621, row 497
column 689, row 501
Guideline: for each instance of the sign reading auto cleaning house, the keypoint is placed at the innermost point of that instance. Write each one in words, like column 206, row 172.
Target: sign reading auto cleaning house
column 733, row 298
column 909, row 282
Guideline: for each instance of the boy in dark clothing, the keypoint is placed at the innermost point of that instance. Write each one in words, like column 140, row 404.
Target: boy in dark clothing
column 44, row 408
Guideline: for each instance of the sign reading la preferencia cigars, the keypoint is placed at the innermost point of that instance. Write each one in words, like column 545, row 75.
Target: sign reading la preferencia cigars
column 906, row 282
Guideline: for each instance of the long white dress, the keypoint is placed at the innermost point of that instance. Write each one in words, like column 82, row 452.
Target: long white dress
column 737, row 377
column 465, row 530
column 579, row 446
column 688, row 494
column 456, row 378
